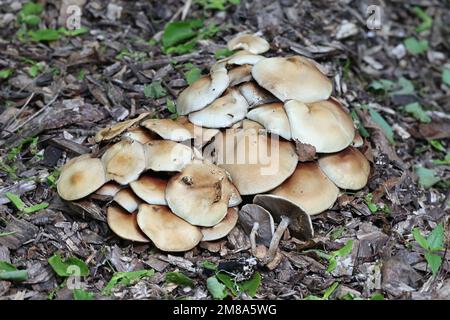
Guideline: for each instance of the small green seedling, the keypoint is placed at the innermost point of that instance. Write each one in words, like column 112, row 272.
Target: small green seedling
column 327, row 293
column 126, row 278
column 433, row 244
column 21, row 206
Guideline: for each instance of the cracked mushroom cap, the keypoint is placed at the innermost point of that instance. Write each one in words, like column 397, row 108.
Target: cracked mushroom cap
column 203, row 91
column 223, row 228
column 309, row 188
column 124, row 224
column 166, row 230
column 167, row 155
column 251, row 213
column 240, row 74
column 249, row 42
column 255, row 95
column 200, row 135
column 255, row 161
column 80, row 177
column 223, row 112
column 348, row 169
column 124, row 161
column 168, row 129
column 324, row 125
column 292, row 77
column 273, row 117
column 197, row 194
column 127, row 200
column 117, row 129
column 300, row 224
column 235, row 197
column 150, row 189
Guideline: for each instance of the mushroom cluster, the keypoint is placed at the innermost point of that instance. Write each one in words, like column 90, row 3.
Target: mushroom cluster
column 265, row 127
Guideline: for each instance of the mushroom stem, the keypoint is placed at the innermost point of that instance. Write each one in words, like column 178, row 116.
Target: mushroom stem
column 253, row 237
column 276, row 238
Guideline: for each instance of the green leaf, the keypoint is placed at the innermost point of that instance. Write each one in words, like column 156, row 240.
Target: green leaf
column 5, row 234
column 251, row 286
column 16, row 201
column 434, row 261
column 312, row 297
column 36, row 207
column 362, row 130
column 6, row 73
column 415, row 109
column 415, row 46
column 209, row 265
column 444, row 162
column 332, row 264
column 193, row 75
column 229, row 282
column 427, row 177
column 329, row 291
column 435, row 239
column 53, row 177
column 171, row 106
column 345, row 250
column 179, row 278
column 218, row 290
column 427, row 21
column 446, row 76
column 45, row 35
column 10, row 273
column 368, row 201
column 35, row 69
column 126, row 278
column 179, row 32
column 31, row 8
column 154, row 90
column 81, row 294
column 405, row 87
column 31, row 20
column 73, row 33
column 420, row 239
column 66, row 268
column 377, row 296
column 6, row 266
column 436, row 144
column 223, row 53
column 382, row 85
column 378, row 119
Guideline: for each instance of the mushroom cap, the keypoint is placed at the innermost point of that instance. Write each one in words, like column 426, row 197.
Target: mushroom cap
column 240, row 74
column 251, row 213
column 242, row 57
column 124, row 224
column 255, row 95
column 197, row 194
column 235, row 197
column 167, row 231
column 116, row 129
column 309, row 188
column 124, row 161
column 292, row 77
column 203, row 91
column 80, row 177
column 141, row 135
column 127, row 200
column 273, row 117
column 358, row 141
column 150, row 189
column 223, row 228
column 348, row 169
column 168, row 129
column 324, row 125
column 248, row 124
column 167, row 155
column 249, row 42
column 255, row 161
column 223, row 112
column 300, row 225
column 201, row 135
column 109, row 189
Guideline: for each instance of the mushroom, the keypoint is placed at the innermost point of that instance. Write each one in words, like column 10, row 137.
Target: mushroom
column 150, row 189
column 80, row 177
column 117, row 129
column 197, row 194
column 223, row 228
column 200, row 135
column 127, row 200
column 242, row 57
column 292, row 77
column 348, row 169
column 247, row 124
column 255, row 95
column 168, row 129
column 167, row 155
column 358, row 141
column 235, row 197
column 223, row 112
column 251, row 215
column 140, row 134
column 109, row 189
column 289, row 215
column 273, row 117
column 249, row 42
column 324, row 125
column 309, row 188
column 167, row 231
column 240, row 74
column 124, row 224
column 124, row 161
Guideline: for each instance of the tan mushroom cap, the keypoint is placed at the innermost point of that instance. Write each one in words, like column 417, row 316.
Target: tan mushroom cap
column 201, row 135
column 197, row 194
column 255, row 161
column 223, row 112
column 223, row 228
column 124, row 224
column 292, row 77
column 118, row 128
column 358, row 141
column 348, row 169
column 168, row 129
column 248, row 124
column 309, row 188
column 166, row 155
column 242, row 57
column 127, row 200
column 80, row 177
column 255, row 95
column 141, row 135
column 109, row 189
column 203, row 91
column 240, row 74
column 249, row 42
column 167, row 231
column 273, row 117
column 324, row 125
column 150, row 189
column 124, row 161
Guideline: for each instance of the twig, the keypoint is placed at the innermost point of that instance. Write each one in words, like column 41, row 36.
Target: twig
column 14, row 119
column 186, row 8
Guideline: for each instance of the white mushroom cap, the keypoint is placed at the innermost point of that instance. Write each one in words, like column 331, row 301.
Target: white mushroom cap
column 251, row 213
column 223, row 228
column 358, row 141
column 168, row 129
column 201, row 135
column 348, row 169
column 248, row 124
column 240, row 74
column 109, row 189
column 242, row 57
column 324, row 125
column 124, row 224
column 255, row 95
column 273, row 117
column 167, row 231
column 80, row 177
column 198, row 195
column 127, row 200
column 292, row 78
column 166, row 155
column 309, row 188
column 223, row 112
column 141, row 135
column 249, row 42
column 124, row 161
column 150, row 189
column 118, row 128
